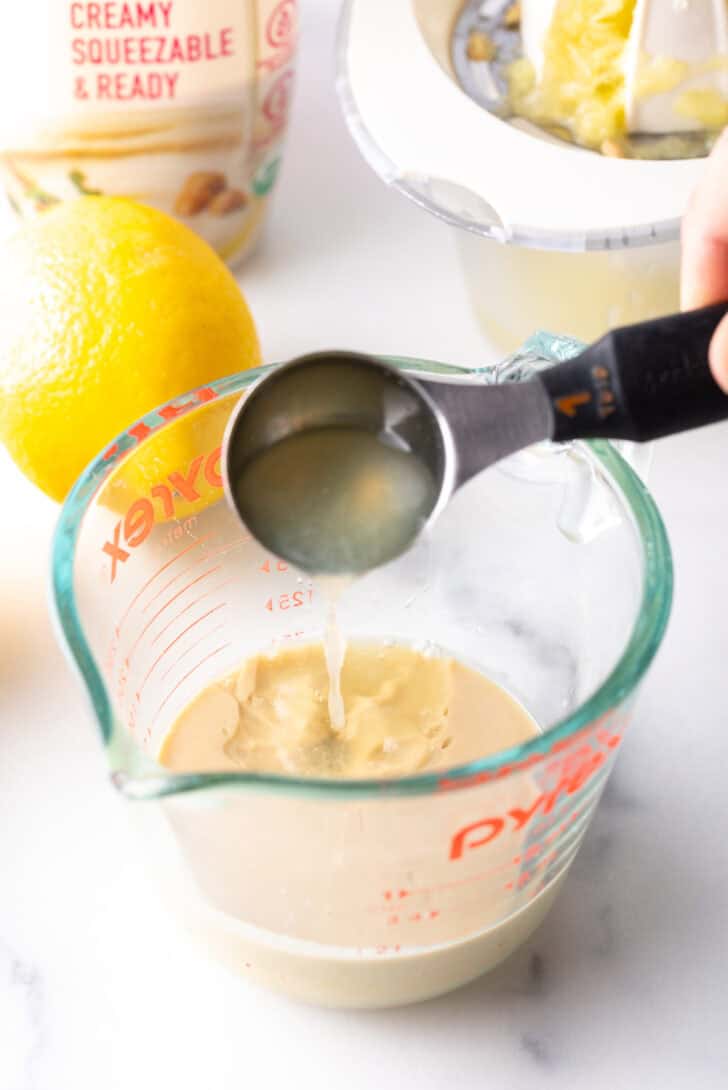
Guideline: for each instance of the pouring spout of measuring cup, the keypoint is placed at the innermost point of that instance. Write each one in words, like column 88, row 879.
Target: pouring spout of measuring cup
column 336, row 462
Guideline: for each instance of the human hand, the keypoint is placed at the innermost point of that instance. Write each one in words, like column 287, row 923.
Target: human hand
column 704, row 272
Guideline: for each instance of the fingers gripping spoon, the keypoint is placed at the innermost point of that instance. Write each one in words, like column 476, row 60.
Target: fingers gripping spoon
column 336, row 462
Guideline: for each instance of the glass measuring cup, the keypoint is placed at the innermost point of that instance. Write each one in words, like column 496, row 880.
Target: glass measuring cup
column 551, row 573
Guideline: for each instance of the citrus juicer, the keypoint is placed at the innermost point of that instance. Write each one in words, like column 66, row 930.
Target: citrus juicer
column 313, row 499
column 673, row 65
column 550, row 235
column 688, row 91
column 363, row 892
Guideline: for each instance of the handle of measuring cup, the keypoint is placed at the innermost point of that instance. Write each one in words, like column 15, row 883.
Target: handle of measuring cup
column 640, row 382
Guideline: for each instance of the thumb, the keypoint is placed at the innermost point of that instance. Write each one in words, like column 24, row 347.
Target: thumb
column 719, row 354
column 704, row 270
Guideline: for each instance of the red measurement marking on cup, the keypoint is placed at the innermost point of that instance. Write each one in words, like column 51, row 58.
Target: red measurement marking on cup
column 175, row 641
column 480, row 877
column 392, row 897
column 560, row 829
column 271, row 566
column 170, row 694
column 548, row 823
column 167, row 604
column 458, row 783
column 527, row 875
column 520, row 882
column 211, row 554
column 289, row 600
column 150, row 580
column 188, row 607
column 188, row 650
column 184, row 528
column 608, row 739
column 141, row 430
column 414, row 917
column 540, row 865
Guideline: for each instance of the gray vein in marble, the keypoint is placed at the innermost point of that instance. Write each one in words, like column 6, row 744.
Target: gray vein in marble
column 607, row 941
column 26, row 983
column 595, row 853
column 537, row 1049
column 547, row 652
column 537, row 974
column 615, row 797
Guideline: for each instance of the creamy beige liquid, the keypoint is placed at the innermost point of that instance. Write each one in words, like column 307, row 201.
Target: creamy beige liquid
column 293, row 892
column 404, row 712
column 335, row 500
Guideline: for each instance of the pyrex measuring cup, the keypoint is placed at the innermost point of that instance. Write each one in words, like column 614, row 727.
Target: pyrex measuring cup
column 551, row 573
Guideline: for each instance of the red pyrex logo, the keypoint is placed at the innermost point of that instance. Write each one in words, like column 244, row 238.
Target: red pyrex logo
column 143, row 513
column 576, row 769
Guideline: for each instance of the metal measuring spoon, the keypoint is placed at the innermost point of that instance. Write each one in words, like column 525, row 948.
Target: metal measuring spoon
column 336, row 461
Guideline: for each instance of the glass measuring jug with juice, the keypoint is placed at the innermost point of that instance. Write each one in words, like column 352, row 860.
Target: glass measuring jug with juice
column 384, row 889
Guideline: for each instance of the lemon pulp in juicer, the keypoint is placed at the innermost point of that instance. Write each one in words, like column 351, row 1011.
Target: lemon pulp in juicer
column 606, row 68
column 582, row 84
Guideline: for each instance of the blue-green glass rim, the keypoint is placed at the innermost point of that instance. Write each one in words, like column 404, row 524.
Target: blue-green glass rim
column 618, row 687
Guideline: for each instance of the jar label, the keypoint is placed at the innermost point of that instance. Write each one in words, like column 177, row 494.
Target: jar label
column 179, row 103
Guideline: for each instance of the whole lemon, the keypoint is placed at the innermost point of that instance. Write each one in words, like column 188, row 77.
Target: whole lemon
column 108, row 308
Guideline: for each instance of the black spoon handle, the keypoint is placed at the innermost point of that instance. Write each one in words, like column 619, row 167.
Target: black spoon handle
column 640, row 382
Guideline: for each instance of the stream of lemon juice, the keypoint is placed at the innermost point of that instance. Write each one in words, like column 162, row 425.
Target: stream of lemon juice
column 337, row 501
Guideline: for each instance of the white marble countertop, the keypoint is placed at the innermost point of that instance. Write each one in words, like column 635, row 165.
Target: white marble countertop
column 625, row 984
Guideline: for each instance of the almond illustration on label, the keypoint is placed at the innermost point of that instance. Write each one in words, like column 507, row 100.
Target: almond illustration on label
column 230, row 200
column 197, row 192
